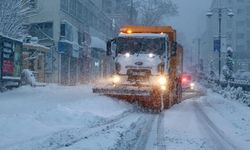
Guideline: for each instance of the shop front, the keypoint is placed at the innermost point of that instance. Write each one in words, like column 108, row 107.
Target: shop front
column 10, row 62
column 34, row 59
column 69, row 53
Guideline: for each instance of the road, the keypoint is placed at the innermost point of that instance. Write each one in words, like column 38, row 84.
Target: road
column 199, row 122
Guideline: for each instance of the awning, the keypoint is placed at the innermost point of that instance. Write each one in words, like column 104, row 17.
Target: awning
column 97, row 43
column 37, row 47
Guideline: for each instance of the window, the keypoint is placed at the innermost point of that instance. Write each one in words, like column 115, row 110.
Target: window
column 66, row 31
column 72, row 7
column 248, row 44
column 79, row 10
column 63, row 30
column 64, row 5
column 240, row 11
column 240, row 48
column 33, row 4
column 229, row 36
column 42, row 30
column 248, row 22
column 229, row 24
column 240, row 35
column 84, row 13
column 240, row 23
column 81, row 38
column 248, row 10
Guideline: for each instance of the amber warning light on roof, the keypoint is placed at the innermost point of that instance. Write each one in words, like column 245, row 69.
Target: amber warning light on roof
column 129, row 31
column 150, row 29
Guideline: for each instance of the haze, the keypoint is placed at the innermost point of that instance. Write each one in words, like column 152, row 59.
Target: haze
column 191, row 19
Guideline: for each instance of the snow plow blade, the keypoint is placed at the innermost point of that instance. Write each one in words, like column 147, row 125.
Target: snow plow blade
column 121, row 91
column 147, row 97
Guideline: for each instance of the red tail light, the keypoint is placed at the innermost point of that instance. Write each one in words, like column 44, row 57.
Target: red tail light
column 184, row 80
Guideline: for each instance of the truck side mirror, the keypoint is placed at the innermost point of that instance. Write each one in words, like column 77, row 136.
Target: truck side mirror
column 109, row 52
column 174, row 49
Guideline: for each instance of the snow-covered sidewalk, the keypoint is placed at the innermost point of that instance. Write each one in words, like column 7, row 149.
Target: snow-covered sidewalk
column 27, row 113
column 208, row 122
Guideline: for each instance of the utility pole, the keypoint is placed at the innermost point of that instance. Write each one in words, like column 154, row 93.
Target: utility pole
column 199, row 51
column 220, row 19
column 219, row 11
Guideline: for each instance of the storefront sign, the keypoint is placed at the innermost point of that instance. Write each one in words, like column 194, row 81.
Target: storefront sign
column 8, row 59
column 64, row 47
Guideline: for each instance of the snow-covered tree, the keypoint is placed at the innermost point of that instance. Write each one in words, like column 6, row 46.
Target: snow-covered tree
column 212, row 74
column 228, row 67
column 150, row 12
column 13, row 14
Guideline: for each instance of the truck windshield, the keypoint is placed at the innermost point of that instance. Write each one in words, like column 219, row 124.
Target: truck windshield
column 140, row 45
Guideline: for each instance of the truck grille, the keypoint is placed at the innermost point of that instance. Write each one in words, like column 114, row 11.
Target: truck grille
column 135, row 75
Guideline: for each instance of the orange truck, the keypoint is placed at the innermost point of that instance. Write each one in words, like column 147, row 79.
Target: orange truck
column 148, row 67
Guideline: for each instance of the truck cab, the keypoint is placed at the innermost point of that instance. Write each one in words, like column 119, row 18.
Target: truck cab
column 146, row 67
column 140, row 58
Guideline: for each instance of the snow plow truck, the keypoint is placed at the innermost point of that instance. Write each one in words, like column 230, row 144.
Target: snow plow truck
column 147, row 69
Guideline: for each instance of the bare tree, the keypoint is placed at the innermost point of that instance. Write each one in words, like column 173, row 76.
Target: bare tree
column 150, row 12
column 13, row 14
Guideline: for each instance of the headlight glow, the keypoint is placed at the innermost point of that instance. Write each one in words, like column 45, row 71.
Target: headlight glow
column 162, row 80
column 163, row 88
column 127, row 55
column 151, row 55
column 116, row 79
column 192, row 85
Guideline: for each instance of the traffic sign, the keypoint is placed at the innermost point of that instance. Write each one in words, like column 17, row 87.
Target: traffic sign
column 217, row 45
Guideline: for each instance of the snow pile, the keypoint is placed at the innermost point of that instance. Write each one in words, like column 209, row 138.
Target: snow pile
column 236, row 94
column 30, row 113
column 230, row 92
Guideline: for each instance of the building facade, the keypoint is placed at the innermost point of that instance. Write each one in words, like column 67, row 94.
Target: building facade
column 67, row 27
column 235, row 34
column 121, row 11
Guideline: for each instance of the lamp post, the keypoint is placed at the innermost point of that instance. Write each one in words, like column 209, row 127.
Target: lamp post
column 209, row 15
column 198, row 47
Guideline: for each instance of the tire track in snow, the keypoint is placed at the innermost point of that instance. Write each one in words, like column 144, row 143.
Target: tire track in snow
column 216, row 135
column 69, row 137
column 146, row 134
column 160, row 133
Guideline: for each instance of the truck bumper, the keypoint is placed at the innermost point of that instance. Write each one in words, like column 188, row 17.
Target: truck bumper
column 123, row 91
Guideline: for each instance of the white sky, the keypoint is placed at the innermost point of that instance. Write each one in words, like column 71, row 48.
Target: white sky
column 191, row 19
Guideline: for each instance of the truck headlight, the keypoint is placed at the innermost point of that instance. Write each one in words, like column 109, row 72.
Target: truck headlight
column 192, row 86
column 116, row 79
column 150, row 55
column 163, row 88
column 162, row 80
column 127, row 55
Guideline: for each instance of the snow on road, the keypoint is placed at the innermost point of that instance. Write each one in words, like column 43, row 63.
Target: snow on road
column 207, row 122
column 27, row 113
column 72, row 118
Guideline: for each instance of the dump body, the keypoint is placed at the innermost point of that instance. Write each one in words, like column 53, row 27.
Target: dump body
column 148, row 64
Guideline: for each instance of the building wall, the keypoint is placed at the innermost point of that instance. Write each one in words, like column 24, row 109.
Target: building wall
column 235, row 34
column 119, row 10
column 83, row 18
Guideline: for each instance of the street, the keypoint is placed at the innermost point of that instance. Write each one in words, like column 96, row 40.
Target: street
column 70, row 118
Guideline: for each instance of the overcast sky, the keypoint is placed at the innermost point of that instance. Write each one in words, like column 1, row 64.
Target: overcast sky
column 192, row 17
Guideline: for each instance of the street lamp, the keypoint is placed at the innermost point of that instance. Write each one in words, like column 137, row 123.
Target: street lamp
column 220, row 11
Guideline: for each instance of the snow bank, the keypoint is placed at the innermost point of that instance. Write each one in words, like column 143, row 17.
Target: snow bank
column 27, row 113
column 231, row 93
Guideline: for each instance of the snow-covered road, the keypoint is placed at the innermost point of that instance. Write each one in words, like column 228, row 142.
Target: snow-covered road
column 72, row 118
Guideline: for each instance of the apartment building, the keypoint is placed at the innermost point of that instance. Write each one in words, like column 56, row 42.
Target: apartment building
column 235, row 34
column 69, row 28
